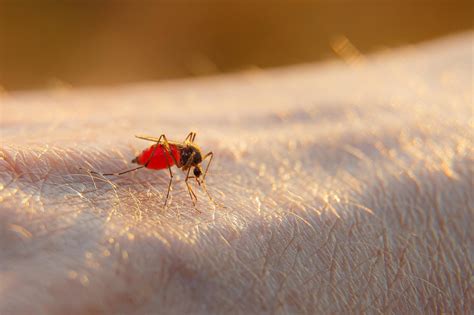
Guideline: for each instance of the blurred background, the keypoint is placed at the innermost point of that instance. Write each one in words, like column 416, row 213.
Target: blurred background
column 49, row 44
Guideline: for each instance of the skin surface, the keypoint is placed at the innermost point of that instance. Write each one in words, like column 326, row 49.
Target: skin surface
column 343, row 187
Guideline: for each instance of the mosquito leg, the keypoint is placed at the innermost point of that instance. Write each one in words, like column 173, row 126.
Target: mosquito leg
column 208, row 195
column 154, row 150
column 190, row 190
column 115, row 174
column 211, row 155
column 167, row 144
column 190, row 137
column 169, row 185
column 166, row 147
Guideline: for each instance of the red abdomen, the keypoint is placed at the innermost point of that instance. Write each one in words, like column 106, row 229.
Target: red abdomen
column 161, row 158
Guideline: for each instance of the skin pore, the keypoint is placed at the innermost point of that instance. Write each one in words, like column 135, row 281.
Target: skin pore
column 339, row 189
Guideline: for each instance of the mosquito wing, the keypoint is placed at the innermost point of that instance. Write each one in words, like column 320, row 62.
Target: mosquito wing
column 156, row 140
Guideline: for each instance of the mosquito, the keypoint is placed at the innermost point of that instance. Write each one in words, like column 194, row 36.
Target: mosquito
column 164, row 154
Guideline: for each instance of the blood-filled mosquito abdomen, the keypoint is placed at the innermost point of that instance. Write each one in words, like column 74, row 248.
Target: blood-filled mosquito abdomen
column 161, row 158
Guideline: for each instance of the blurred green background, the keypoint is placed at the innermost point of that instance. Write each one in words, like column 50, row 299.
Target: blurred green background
column 44, row 44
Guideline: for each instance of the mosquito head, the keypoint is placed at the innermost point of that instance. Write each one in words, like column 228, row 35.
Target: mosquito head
column 197, row 171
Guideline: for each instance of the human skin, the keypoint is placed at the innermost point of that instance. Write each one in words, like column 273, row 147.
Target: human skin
column 341, row 188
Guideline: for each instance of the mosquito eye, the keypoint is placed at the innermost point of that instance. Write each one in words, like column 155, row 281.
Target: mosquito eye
column 197, row 172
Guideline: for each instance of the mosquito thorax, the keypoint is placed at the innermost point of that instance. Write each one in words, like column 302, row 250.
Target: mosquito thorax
column 186, row 153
